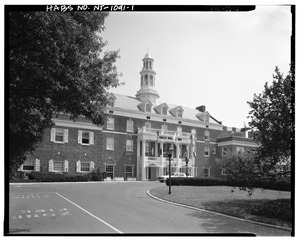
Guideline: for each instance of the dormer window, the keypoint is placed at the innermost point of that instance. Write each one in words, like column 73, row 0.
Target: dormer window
column 148, row 108
column 164, row 111
column 179, row 113
column 206, row 117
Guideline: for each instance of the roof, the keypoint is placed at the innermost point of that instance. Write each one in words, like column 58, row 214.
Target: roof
column 131, row 103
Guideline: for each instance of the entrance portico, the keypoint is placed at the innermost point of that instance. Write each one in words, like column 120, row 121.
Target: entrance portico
column 152, row 149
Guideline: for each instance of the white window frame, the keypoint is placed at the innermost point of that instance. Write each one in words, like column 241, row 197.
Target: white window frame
column 129, row 126
column 224, row 151
column 79, row 166
column 65, row 166
column 110, row 143
column 206, row 135
column 164, row 110
column 36, row 166
column 113, row 170
column 224, row 172
column 208, row 173
column 148, row 108
column 91, row 137
column 65, row 135
column 110, row 125
column 132, row 170
column 206, row 150
column 240, row 149
column 129, row 145
column 179, row 113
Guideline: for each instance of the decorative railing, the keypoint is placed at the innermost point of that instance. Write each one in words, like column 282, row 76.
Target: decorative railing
column 162, row 132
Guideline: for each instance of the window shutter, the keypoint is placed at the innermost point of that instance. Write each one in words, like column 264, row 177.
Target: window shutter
column 66, row 166
column 92, row 138
column 66, row 135
column 37, row 167
column 52, row 136
column 78, row 166
column 80, row 137
column 92, row 166
column 51, row 165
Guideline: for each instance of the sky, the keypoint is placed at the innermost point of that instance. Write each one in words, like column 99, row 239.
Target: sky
column 216, row 59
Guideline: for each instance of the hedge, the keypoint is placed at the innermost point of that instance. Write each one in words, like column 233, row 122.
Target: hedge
column 280, row 185
column 52, row 177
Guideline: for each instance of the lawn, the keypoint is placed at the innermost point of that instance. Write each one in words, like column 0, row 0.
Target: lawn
column 267, row 206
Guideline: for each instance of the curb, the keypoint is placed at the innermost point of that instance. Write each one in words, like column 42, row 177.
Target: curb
column 220, row 214
column 53, row 183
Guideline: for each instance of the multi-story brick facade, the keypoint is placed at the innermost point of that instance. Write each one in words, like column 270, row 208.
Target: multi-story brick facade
column 135, row 140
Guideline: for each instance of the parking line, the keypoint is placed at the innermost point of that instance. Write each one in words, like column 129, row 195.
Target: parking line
column 99, row 219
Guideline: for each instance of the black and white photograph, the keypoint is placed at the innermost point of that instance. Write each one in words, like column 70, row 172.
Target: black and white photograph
column 149, row 120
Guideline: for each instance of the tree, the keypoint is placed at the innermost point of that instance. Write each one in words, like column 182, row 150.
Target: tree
column 242, row 170
column 273, row 125
column 56, row 64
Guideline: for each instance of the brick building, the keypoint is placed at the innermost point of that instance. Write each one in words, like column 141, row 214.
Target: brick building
column 135, row 140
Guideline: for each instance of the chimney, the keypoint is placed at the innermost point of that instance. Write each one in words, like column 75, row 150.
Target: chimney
column 201, row 108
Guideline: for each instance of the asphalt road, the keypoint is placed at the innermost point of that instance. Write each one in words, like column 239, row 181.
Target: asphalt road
column 112, row 208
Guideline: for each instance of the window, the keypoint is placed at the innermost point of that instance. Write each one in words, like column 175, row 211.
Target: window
column 58, row 166
column 109, row 169
column 129, row 145
column 206, row 135
column 129, row 126
column 110, row 123
column 28, row 165
column 164, row 129
column 128, row 171
column 164, row 110
column 183, row 151
column 59, row 135
column 179, row 113
column 206, row 117
column 206, row 151
column 85, row 166
column 224, row 172
column 206, row 172
column 179, row 130
column 148, row 126
column 214, row 151
column 240, row 149
column 86, row 137
column 148, row 108
column 110, row 143
column 224, row 151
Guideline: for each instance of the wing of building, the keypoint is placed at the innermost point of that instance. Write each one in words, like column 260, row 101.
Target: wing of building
column 135, row 141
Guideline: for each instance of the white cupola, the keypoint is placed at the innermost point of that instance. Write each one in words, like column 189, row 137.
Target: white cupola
column 147, row 91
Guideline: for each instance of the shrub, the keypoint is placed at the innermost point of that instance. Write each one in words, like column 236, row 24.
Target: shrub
column 53, row 177
column 280, row 208
column 197, row 181
column 280, row 185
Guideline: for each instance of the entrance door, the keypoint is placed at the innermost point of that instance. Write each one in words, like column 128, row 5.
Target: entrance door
column 153, row 173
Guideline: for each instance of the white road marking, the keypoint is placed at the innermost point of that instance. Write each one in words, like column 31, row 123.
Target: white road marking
column 99, row 219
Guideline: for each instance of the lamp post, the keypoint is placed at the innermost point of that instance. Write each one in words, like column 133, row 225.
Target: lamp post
column 170, row 152
column 186, row 162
